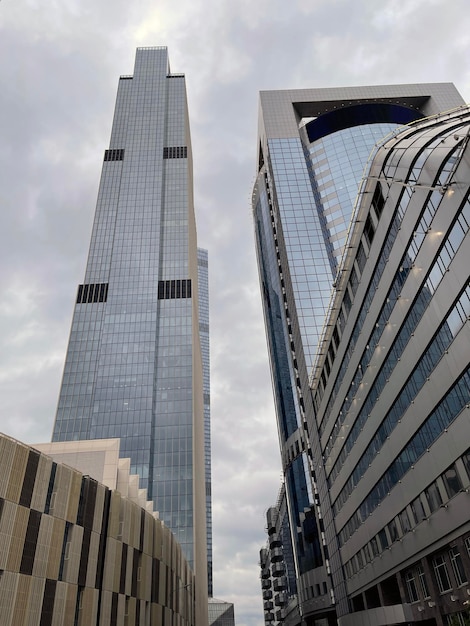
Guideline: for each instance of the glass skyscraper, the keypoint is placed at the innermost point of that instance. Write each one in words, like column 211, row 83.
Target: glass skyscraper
column 137, row 364
column 313, row 150
column 203, row 282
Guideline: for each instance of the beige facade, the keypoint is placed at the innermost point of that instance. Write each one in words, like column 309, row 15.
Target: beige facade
column 75, row 551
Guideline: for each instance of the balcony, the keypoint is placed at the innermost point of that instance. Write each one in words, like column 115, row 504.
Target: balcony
column 267, row 594
column 280, row 584
column 265, row 573
column 263, row 557
column 265, row 583
column 278, row 570
column 276, row 554
column 280, row 599
column 271, row 518
column 268, row 605
column 274, row 541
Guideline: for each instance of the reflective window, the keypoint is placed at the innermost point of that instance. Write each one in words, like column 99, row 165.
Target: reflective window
column 404, row 521
column 383, row 539
column 433, row 497
column 452, row 481
column 418, row 510
column 466, row 462
column 467, row 545
column 393, row 530
column 411, row 586
column 423, row 582
column 457, row 566
column 375, row 546
column 442, row 575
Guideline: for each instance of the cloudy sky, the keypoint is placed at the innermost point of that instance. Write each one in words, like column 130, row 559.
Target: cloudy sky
column 59, row 66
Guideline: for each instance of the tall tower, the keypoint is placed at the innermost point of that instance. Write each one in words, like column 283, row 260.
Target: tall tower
column 203, row 274
column 134, row 367
column 313, row 146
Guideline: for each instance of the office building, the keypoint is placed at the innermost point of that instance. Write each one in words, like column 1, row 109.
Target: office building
column 76, row 551
column 221, row 613
column 392, row 396
column 134, row 368
column 313, row 153
column 203, row 283
column 278, row 575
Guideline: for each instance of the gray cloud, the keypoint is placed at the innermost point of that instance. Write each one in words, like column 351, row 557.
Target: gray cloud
column 58, row 74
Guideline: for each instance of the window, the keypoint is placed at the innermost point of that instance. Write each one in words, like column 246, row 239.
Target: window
column 369, row 230
column 393, row 530
column 442, row 575
column 466, row 461
column 170, row 289
column 458, row 619
column 354, row 281
column 404, row 521
column 433, row 497
column 360, row 560
column 467, row 545
column 175, row 152
column 361, row 257
column 418, row 510
column 452, row 481
column 383, row 539
column 378, row 201
column 411, row 586
column 115, row 154
column 92, row 293
column 457, row 566
column 422, row 582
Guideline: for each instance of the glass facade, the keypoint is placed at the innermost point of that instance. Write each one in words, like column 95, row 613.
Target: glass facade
column 203, row 301
column 133, row 361
column 303, row 205
column 337, row 163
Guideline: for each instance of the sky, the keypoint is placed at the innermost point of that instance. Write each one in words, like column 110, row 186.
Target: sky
column 59, row 68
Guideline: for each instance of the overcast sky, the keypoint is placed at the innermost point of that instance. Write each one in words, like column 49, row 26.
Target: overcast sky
column 59, row 66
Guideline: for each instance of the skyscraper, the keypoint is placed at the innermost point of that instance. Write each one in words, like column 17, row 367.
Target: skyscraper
column 313, row 147
column 203, row 282
column 134, row 367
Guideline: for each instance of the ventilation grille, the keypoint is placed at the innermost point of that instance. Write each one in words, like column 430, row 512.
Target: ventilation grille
column 116, row 154
column 175, row 152
column 92, row 293
column 170, row 289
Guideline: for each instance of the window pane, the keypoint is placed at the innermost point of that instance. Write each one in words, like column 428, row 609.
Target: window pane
column 404, row 521
column 442, row 576
column 452, row 481
column 422, row 581
column 433, row 497
column 411, row 586
column 418, row 510
column 457, row 566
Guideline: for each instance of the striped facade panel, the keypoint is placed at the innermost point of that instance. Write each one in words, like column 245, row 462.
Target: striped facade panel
column 43, row 546
column 41, row 484
column 18, row 468
column 18, row 538
column 7, row 523
column 7, row 454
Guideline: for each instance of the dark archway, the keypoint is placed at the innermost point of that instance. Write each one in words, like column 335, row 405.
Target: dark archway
column 358, row 115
